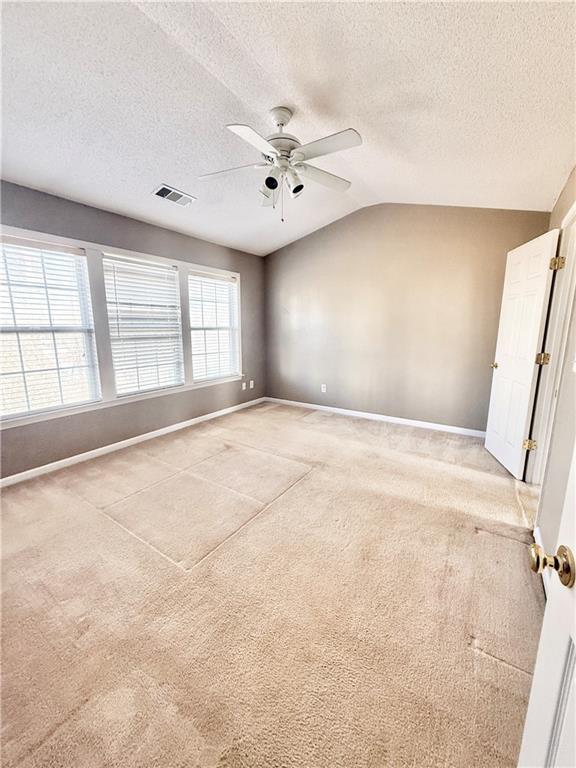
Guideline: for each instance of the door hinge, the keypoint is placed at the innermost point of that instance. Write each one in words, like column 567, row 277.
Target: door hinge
column 529, row 445
column 542, row 358
column 557, row 262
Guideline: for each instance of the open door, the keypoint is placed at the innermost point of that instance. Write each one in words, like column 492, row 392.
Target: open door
column 549, row 730
column 525, row 300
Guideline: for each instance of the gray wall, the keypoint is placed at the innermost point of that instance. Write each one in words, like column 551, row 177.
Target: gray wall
column 395, row 308
column 36, row 444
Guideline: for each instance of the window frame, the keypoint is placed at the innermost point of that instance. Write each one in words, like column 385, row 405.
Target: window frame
column 229, row 278
column 56, row 330
column 95, row 254
column 114, row 258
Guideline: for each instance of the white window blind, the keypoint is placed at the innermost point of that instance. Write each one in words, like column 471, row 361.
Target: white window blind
column 214, row 326
column 47, row 353
column 145, row 327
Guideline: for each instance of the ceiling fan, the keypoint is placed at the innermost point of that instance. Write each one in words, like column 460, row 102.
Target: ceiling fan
column 285, row 158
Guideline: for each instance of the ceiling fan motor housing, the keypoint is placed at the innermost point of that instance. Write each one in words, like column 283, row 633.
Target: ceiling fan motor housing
column 284, row 143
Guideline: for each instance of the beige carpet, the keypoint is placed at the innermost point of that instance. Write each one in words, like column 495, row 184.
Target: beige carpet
column 279, row 588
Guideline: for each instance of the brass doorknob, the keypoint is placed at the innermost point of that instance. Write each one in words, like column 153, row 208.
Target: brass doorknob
column 494, row 365
column 562, row 562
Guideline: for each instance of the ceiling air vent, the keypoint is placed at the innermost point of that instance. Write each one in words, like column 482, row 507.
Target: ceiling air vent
column 173, row 195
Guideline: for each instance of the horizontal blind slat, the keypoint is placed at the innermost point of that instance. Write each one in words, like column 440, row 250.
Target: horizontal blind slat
column 48, row 355
column 213, row 326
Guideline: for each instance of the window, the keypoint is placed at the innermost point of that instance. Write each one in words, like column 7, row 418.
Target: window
column 81, row 328
column 214, row 326
column 48, row 355
column 145, row 327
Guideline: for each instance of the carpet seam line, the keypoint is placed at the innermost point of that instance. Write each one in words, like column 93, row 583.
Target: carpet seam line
column 141, row 540
column 521, row 505
column 250, row 520
column 133, row 493
column 274, row 453
column 194, row 463
column 482, row 652
column 238, row 444
column 31, row 751
column 223, row 487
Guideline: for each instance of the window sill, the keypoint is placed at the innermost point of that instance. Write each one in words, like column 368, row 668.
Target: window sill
column 33, row 418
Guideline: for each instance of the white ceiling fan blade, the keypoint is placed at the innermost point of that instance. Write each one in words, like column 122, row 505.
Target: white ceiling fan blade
column 334, row 143
column 322, row 177
column 253, row 138
column 226, row 171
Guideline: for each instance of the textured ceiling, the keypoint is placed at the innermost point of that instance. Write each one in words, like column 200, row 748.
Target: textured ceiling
column 458, row 104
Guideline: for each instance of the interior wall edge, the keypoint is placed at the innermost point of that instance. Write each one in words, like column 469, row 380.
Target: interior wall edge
column 563, row 434
column 382, row 205
column 8, row 185
column 394, row 309
column 564, row 201
column 382, row 417
column 44, row 442
column 111, row 448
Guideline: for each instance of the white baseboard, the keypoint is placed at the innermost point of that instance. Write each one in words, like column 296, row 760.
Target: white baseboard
column 547, row 575
column 381, row 417
column 68, row 462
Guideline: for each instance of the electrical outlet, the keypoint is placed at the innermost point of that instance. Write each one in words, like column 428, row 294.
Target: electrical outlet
column 251, row 384
column 322, row 387
column 243, row 385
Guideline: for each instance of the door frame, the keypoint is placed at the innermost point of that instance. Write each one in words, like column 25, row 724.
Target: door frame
column 556, row 341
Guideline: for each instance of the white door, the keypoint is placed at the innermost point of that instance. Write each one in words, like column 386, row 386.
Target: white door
column 520, row 333
column 549, row 730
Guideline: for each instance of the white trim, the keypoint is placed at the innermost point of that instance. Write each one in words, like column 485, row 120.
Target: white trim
column 381, row 417
column 562, row 302
column 234, row 278
column 546, row 575
column 80, row 457
column 94, row 254
column 46, row 238
column 185, row 324
column 58, row 413
column 571, row 214
column 101, row 328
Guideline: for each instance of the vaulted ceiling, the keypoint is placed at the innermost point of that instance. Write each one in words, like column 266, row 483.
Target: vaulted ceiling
column 467, row 104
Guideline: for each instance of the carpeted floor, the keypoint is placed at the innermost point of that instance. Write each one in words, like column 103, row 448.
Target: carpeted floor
column 278, row 588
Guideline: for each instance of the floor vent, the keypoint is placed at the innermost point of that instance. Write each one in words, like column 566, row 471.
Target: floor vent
column 173, row 195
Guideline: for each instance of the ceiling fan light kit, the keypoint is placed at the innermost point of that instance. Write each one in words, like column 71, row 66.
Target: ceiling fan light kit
column 285, row 158
column 273, row 178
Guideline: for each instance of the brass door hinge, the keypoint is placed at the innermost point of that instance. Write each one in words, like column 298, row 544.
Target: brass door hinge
column 529, row 445
column 542, row 358
column 557, row 262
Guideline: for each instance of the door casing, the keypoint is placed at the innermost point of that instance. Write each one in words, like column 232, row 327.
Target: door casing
column 557, row 339
column 521, row 331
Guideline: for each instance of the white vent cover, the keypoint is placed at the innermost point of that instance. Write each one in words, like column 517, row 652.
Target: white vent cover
column 174, row 195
